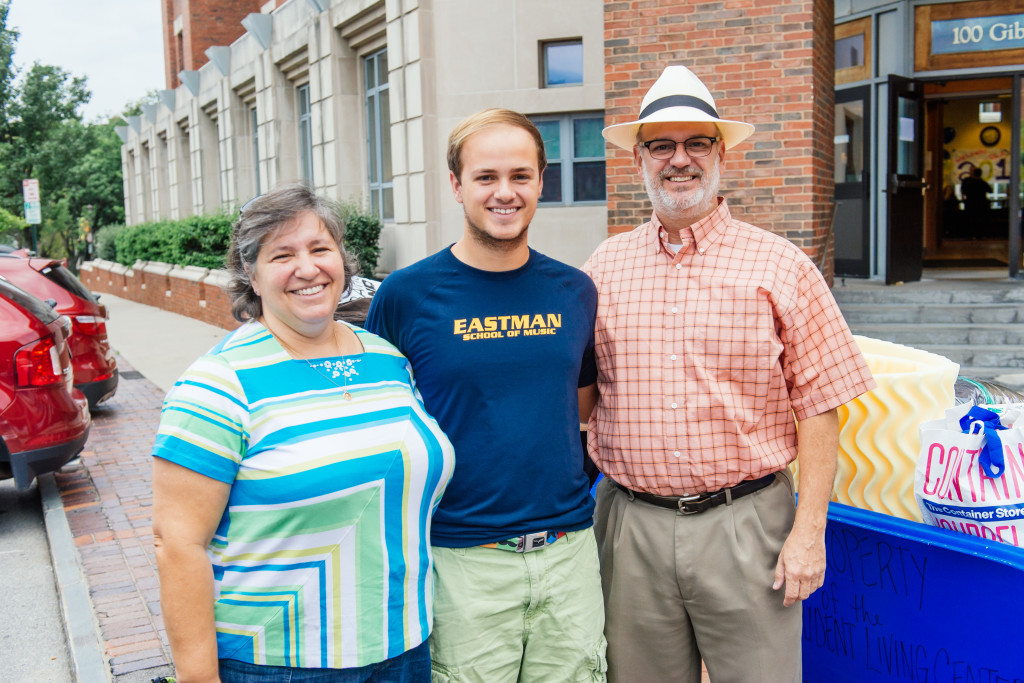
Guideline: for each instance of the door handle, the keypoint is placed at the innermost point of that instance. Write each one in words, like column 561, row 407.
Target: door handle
column 897, row 182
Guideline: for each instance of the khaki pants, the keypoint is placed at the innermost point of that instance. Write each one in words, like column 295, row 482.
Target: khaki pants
column 502, row 617
column 679, row 588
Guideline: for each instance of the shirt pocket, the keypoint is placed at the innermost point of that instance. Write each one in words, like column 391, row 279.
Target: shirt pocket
column 736, row 349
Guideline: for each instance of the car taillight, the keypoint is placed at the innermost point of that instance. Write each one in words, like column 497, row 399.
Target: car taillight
column 38, row 364
column 90, row 324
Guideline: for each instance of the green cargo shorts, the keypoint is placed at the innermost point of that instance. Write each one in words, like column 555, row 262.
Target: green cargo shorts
column 504, row 616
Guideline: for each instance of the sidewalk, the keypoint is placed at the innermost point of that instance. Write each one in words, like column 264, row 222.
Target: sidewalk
column 107, row 500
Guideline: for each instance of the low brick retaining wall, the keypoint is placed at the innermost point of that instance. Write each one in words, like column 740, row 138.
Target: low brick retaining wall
column 194, row 292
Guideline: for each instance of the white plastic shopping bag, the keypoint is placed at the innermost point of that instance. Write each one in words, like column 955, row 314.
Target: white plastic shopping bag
column 970, row 472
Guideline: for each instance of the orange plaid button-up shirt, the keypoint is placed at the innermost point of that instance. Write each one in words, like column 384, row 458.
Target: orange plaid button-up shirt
column 704, row 356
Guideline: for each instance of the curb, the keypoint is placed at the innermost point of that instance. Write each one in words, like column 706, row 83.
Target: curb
column 88, row 663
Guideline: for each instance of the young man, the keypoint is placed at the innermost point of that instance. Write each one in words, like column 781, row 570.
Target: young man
column 712, row 335
column 500, row 339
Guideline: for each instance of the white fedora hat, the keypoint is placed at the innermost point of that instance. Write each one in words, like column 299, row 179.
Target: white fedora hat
column 678, row 96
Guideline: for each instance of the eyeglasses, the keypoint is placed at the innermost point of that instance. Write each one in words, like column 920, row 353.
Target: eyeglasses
column 699, row 146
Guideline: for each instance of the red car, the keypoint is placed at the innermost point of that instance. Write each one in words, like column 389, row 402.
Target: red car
column 91, row 356
column 44, row 420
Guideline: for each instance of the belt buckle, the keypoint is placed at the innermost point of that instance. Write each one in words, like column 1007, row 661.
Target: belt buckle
column 693, row 504
column 530, row 542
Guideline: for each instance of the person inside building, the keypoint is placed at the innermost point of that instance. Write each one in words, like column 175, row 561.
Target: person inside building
column 500, row 338
column 951, row 223
column 294, row 477
column 715, row 340
column 977, row 209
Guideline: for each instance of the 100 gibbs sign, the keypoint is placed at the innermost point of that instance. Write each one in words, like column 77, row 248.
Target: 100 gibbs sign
column 977, row 34
column 968, row 35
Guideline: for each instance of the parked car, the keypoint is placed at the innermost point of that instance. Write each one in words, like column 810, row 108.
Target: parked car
column 44, row 419
column 91, row 356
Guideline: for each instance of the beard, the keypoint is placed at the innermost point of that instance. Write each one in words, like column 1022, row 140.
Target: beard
column 681, row 206
column 496, row 243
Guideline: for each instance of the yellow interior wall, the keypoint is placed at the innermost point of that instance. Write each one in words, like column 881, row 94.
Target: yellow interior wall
column 962, row 115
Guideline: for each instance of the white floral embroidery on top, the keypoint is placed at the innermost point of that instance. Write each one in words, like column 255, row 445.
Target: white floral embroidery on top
column 345, row 367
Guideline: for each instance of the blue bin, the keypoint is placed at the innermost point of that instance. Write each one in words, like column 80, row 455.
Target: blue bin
column 904, row 601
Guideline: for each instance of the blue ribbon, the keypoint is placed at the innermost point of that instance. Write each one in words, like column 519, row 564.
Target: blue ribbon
column 991, row 458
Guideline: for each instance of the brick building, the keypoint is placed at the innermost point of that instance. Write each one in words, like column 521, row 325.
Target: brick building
column 191, row 27
column 356, row 97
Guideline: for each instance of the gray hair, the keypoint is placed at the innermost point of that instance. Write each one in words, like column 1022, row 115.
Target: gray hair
column 260, row 218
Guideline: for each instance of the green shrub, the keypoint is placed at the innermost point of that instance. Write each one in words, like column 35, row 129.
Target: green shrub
column 195, row 241
column 203, row 240
column 104, row 242
column 362, row 235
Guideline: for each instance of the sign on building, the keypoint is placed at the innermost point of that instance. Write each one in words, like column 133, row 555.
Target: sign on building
column 978, row 34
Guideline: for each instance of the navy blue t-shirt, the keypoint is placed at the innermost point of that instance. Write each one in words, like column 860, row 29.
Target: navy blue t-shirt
column 497, row 357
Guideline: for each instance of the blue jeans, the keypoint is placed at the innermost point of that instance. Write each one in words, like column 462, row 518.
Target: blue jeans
column 410, row 667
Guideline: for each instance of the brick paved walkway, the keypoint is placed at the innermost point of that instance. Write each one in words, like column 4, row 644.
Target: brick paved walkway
column 108, row 500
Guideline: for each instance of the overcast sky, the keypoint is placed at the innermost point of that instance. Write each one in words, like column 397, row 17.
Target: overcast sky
column 116, row 44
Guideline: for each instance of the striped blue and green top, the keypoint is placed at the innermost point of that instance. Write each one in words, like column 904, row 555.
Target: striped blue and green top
column 322, row 558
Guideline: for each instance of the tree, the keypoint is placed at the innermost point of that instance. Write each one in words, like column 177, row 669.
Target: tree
column 134, row 108
column 11, row 227
column 8, row 38
column 42, row 136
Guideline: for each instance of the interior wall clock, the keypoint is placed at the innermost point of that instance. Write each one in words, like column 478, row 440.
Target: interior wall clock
column 990, row 135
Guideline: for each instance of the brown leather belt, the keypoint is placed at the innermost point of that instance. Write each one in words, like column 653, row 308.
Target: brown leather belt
column 700, row 502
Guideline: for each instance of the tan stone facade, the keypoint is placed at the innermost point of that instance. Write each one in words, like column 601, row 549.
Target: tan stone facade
column 297, row 79
column 195, row 151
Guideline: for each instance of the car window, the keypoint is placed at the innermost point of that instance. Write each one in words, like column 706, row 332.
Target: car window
column 29, row 302
column 66, row 279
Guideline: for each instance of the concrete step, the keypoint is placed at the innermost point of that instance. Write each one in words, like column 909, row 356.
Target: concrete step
column 961, row 293
column 984, row 314
column 946, row 334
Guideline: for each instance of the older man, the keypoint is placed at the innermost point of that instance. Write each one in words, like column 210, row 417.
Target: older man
column 714, row 339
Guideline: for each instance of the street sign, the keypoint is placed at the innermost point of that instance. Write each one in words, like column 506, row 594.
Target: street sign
column 33, row 213
column 30, row 190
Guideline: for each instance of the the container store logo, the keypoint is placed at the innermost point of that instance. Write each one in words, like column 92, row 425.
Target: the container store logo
column 978, row 34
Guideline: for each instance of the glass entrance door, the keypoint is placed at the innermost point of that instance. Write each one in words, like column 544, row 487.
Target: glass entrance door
column 1016, row 194
column 852, row 221
column 905, row 184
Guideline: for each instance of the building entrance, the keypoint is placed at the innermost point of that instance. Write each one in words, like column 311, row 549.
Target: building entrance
column 969, row 135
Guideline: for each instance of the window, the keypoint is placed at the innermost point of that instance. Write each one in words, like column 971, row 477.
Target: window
column 575, row 151
column 850, row 52
column 378, row 129
column 562, row 63
column 254, row 125
column 853, row 51
column 305, row 135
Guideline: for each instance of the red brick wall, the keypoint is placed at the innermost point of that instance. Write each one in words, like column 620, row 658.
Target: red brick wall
column 172, row 65
column 767, row 62
column 198, row 300
column 205, row 23
column 218, row 308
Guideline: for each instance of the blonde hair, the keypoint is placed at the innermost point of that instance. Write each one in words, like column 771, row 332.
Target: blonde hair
column 490, row 117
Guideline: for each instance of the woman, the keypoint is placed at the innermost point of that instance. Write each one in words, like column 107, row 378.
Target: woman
column 294, row 477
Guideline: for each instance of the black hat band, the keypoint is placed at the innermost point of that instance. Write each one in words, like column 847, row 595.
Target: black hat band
column 679, row 101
